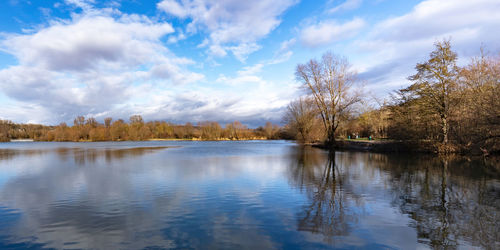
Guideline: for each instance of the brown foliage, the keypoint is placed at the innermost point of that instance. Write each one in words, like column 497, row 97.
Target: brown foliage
column 91, row 130
column 456, row 109
column 460, row 109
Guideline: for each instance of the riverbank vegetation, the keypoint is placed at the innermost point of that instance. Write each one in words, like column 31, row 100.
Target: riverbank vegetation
column 446, row 109
column 89, row 129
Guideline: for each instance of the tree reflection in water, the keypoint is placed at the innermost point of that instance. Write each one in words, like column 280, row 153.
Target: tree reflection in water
column 82, row 155
column 333, row 207
column 451, row 200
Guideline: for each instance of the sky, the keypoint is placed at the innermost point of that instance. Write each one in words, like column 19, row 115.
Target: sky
column 214, row 60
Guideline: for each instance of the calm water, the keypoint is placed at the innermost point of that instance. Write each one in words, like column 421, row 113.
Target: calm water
column 258, row 195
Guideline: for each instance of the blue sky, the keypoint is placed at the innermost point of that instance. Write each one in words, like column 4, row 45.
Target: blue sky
column 226, row 60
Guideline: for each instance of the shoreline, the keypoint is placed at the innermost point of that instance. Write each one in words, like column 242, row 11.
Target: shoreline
column 377, row 146
column 391, row 146
column 153, row 139
column 221, row 139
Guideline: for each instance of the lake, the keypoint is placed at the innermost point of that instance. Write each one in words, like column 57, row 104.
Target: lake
column 241, row 194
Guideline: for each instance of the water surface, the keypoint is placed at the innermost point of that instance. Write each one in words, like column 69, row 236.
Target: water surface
column 255, row 194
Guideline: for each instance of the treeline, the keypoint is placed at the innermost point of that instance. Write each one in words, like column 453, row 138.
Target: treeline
column 10, row 130
column 456, row 109
column 89, row 129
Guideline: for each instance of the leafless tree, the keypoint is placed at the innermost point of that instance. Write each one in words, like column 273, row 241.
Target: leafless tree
column 301, row 116
column 331, row 83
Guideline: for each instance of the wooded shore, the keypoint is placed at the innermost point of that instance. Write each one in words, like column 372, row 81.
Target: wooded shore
column 394, row 146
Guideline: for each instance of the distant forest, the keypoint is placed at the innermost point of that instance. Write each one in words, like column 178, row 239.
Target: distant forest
column 89, row 129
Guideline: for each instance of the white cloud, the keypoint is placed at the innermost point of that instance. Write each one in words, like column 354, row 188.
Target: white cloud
column 83, row 4
column 253, row 98
column 433, row 18
column 89, row 43
column 217, row 50
column 390, row 51
column 170, row 70
column 284, row 53
column 231, row 24
column 89, row 64
column 329, row 31
column 173, row 7
column 245, row 97
column 346, row 5
column 242, row 50
column 174, row 39
column 287, row 45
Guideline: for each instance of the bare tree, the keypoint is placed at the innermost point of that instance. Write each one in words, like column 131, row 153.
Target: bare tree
column 331, row 84
column 478, row 112
column 301, row 115
column 136, row 119
column 107, row 121
column 91, row 122
column 79, row 121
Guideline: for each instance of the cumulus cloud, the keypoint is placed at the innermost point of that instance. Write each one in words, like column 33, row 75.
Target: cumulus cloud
column 242, row 51
column 245, row 97
column 174, row 8
column 174, row 39
column 329, row 31
column 396, row 44
column 89, row 64
column 437, row 18
column 89, row 43
column 231, row 24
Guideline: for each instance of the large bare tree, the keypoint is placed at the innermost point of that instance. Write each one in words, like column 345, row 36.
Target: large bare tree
column 330, row 82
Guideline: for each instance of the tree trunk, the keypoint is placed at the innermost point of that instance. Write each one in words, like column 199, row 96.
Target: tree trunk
column 444, row 121
column 331, row 138
column 302, row 134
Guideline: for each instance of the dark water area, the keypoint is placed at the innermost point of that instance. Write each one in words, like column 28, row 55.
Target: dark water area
column 232, row 195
